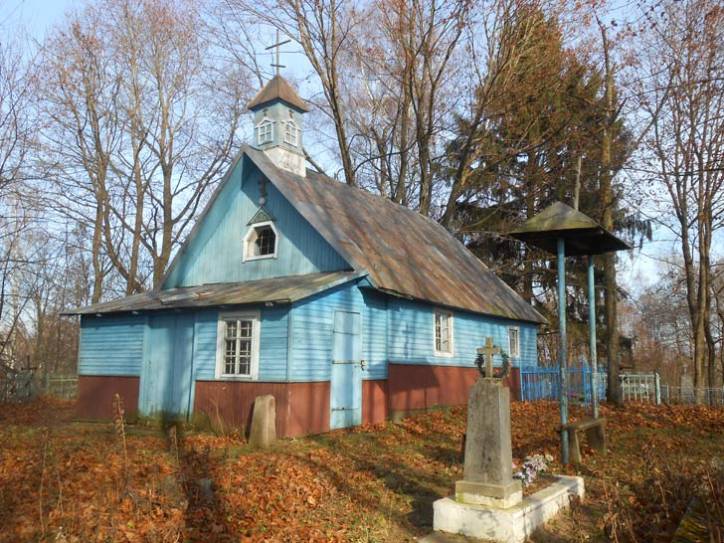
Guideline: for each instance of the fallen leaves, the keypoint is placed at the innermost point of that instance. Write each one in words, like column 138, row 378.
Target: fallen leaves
column 65, row 485
column 374, row 483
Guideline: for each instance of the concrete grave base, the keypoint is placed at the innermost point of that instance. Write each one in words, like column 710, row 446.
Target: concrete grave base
column 499, row 496
column 510, row 525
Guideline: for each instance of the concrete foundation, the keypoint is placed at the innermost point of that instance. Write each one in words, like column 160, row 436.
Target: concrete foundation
column 510, row 525
column 499, row 496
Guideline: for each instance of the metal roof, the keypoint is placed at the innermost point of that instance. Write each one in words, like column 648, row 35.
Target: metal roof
column 278, row 289
column 404, row 252
column 277, row 88
column 583, row 235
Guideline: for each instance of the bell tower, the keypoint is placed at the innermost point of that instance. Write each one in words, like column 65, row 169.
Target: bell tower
column 279, row 124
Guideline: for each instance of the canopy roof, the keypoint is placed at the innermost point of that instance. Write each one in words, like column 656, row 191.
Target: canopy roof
column 277, row 88
column 583, row 235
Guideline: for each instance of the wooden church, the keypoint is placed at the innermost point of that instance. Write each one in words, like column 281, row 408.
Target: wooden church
column 344, row 306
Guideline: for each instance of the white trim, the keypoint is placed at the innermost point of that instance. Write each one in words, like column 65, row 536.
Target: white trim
column 517, row 342
column 245, row 256
column 295, row 131
column 220, row 346
column 264, row 121
column 451, row 323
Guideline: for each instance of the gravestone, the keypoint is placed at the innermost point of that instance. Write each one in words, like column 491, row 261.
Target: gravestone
column 263, row 422
column 488, row 472
column 488, row 502
column 687, row 388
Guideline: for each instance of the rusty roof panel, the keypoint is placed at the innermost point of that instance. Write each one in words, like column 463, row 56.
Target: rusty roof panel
column 278, row 88
column 403, row 252
column 278, row 289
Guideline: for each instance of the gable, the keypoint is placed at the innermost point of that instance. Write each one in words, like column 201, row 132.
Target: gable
column 214, row 251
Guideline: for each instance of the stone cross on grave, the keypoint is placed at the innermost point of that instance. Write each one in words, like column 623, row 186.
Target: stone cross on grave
column 488, row 351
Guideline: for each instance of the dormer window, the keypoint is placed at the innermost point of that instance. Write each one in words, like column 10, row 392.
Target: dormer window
column 264, row 131
column 291, row 133
column 260, row 241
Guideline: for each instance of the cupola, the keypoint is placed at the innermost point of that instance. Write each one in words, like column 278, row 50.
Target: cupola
column 278, row 124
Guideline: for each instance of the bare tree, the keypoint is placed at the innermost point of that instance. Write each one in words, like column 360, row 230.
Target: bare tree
column 16, row 202
column 141, row 122
column 82, row 131
column 685, row 152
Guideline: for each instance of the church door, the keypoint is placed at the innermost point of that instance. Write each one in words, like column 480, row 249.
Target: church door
column 346, row 395
column 166, row 376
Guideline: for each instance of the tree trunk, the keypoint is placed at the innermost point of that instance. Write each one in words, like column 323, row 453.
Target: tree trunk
column 96, row 256
column 609, row 261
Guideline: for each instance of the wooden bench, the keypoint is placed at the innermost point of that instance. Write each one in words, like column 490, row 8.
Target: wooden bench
column 595, row 430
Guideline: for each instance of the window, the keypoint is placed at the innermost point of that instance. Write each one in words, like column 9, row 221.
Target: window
column 514, row 342
column 260, row 241
column 443, row 333
column 237, row 349
column 291, row 133
column 264, row 131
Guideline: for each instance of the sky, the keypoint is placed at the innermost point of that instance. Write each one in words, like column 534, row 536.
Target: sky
column 638, row 269
column 35, row 16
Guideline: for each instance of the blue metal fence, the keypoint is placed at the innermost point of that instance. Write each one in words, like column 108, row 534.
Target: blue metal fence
column 545, row 384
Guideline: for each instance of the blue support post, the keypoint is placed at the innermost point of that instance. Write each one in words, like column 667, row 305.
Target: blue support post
column 592, row 336
column 563, row 347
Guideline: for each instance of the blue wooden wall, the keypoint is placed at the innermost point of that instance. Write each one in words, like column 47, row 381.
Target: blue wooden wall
column 374, row 334
column 111, row 345
column 411, row 335
column 114, row 345
column 296, row 341
column 273, row 346
column 312, row 322
column 214, row 255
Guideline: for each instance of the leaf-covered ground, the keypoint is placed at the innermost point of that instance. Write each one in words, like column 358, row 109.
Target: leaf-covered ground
column 67, row 481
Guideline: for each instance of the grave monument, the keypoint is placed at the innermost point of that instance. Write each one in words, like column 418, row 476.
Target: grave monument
column 488, row 501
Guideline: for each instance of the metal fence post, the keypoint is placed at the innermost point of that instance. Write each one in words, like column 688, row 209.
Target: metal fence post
column 563, row 347
column 657, row 385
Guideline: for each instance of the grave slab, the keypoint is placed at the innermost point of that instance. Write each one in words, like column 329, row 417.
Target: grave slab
column 506, row 525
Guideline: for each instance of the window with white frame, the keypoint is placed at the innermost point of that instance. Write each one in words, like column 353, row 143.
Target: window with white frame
column 237, row 348
column 443, row 333
column 291, row 133
column 514, row 342
column 260, row 241
column 264, row 131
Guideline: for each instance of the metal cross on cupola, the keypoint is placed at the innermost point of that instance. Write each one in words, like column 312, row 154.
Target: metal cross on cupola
column 276, row 65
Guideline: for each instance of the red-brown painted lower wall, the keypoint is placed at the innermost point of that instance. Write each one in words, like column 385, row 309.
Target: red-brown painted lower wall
column 301, row 408
column 96, row 393
column 374, row 402
column 413, row 386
